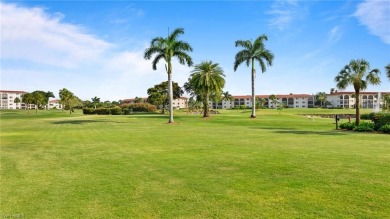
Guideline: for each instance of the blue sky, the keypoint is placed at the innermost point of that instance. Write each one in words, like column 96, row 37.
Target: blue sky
column 95, row 48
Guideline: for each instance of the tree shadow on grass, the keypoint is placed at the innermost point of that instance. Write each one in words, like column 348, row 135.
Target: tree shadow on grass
column 305, row 132
column 76, row 122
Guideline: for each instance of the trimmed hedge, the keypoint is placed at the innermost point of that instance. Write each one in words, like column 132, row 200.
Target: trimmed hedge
column 124, row 109
column 116, row 111
column 142, row 107
column 89, row 111
column 367, row 116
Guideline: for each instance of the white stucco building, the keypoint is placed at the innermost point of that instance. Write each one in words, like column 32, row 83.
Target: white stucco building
column 368, row 100
column 8, row 100
column 179, row 103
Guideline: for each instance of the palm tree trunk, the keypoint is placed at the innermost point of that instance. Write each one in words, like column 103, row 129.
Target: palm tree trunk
column 206, row 105
column 357, row 107
column 170, row 93
column 253, row 91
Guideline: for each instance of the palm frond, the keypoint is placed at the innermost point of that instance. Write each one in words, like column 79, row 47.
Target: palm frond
column 242, row 56
column 157, row 59
column 176, row 32
column 373, row 77
column 247, row 44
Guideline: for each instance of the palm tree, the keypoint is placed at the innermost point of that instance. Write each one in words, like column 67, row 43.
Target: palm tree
column 273, row 99
column 95, row 101
column 321, row 97
column 67, row 98
column 166, row 49
column 388, row 70
column 206, row 79
column 226, row 96
column 260, row 102
column 253, row 52
column 357, row 73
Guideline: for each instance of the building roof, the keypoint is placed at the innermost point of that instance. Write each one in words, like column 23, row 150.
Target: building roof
column 277, row 96
column 13, row 91
column 361, row 93
column 54, row 101
column 145, row 98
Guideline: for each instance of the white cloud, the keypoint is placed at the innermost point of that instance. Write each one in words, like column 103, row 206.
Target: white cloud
column 334, row 34
column 31, row 34
column 284, row 13
column 376, row 16
column 41, row 51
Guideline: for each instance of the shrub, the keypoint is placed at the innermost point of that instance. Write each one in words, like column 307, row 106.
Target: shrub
column 89, row 111
column 347, row 125
column 367, row 116
column 142, row 107
column 126, row 111
column 102, row 111
column 381, row 119
column 385, row 128
column 365, row 127
column 116, row 111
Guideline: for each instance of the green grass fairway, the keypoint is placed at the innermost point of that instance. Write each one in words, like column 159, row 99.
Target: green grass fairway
column 279, row 165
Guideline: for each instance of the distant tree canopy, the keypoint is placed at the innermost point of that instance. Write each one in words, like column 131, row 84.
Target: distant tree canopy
column 159, row 94
column 320, row 99
column 69, row 100
column 273, row 99
column 28, row 99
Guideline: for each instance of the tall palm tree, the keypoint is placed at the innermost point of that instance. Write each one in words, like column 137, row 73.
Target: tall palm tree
column 388, row 70
column 357, row 73
column 252, row 52
column 166, row 49
column 207, row 78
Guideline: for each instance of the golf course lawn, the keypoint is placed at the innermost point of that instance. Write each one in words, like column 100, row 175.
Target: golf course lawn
column 279, row 165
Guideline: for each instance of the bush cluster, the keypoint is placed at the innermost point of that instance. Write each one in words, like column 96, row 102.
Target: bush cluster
column 367, row 116
column 347, row 125
column 385, row 129
column 380, row 122
column 364, row 127
column 381, row 119
column 142, row 107
column 124, row 109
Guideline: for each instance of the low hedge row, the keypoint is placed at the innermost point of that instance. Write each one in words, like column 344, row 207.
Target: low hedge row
column 125, row 109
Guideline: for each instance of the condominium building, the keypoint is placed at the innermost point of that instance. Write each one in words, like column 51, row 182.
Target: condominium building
column 178, row 103
column 8, row 100
column 54, row 104
column 370, row 100
column 289, row 100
